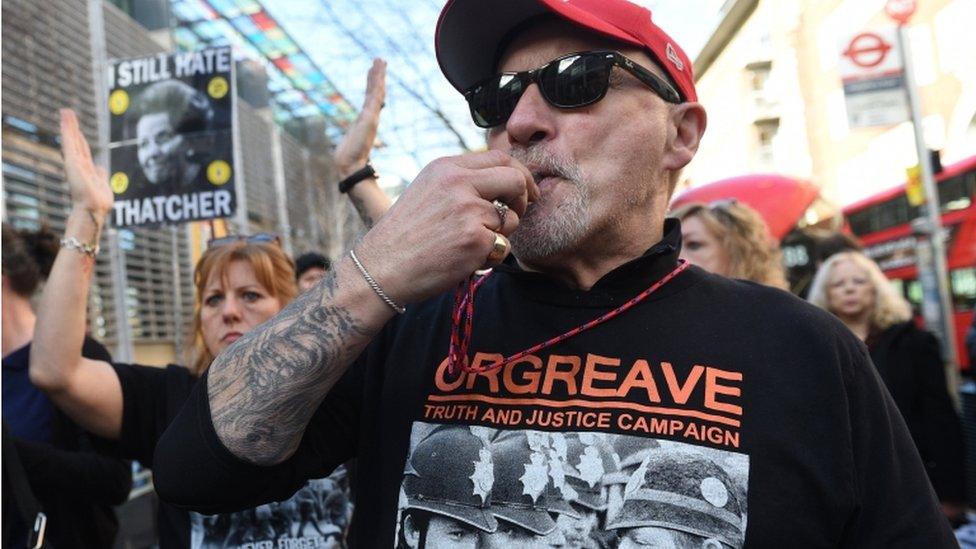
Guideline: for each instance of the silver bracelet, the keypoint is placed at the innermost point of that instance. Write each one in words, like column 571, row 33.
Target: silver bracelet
column 374, row 285
column 73, row 243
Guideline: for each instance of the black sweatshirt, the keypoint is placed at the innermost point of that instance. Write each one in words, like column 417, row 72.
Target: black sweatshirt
column 910, row 363
column 151, row 398
column 714, row 409
column 75, row 486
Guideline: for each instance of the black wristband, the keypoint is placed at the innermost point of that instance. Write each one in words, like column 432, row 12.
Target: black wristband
column 365, row 172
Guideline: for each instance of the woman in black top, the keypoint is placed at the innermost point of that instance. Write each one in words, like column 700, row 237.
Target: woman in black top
column 909, row 360
column 72, row 484
column 240, row 283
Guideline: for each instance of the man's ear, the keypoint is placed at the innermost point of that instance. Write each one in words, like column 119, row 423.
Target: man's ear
column 688, row 122
column 411, row 534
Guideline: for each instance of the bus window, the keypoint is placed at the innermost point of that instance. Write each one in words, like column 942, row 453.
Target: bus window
column 963, row 283
column 899, row 286
column 914, row 293
column 957, row 193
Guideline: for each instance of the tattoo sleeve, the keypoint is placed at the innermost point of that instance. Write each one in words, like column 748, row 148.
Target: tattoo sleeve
column 265, row 387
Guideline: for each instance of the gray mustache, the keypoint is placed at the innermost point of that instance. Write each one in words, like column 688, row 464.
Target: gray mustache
column 543, row 163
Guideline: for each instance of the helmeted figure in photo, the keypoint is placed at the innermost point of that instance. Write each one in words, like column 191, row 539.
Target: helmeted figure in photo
column 680, row 500
column 448, row 485
column 589, row 460
column 631, row 452
column 524, row 499
column 167, row 112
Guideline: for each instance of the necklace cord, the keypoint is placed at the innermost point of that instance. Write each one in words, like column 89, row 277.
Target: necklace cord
column 462, row 323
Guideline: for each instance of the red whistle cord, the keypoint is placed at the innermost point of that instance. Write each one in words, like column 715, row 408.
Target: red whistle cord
column 462, row 319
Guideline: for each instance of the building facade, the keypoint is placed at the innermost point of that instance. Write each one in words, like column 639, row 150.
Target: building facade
column 769, row 80
column 288, row 177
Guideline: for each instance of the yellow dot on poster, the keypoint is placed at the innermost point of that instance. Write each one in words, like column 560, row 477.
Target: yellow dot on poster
column 118, row 102
column 119, row 182
column 218, row 172
column 218, row 87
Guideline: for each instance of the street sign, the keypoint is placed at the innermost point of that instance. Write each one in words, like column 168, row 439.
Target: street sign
column 874, row 81
column 900, row 10
column 867, row 50
column 914, row 189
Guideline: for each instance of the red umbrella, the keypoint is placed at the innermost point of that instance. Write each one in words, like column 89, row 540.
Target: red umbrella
column 780, row 200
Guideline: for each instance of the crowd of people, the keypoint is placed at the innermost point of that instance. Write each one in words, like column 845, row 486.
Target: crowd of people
column 392, row 398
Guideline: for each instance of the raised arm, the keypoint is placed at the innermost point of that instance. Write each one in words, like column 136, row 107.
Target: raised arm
column 352, row 153
column 87, row 390
column 265, row 387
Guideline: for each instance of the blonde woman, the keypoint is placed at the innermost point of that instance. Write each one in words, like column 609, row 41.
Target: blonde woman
column 730, row 239
column 909, row 360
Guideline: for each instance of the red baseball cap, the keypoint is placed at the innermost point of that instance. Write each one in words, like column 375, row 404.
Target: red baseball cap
column 470, row 33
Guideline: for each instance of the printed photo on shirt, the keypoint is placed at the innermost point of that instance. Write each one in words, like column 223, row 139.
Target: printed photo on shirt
column 316, row 516
column 474, row 486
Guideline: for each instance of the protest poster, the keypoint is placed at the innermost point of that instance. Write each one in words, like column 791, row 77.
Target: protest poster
column 171, row 137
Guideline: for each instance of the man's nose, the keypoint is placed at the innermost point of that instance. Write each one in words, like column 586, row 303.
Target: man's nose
column 532, row 119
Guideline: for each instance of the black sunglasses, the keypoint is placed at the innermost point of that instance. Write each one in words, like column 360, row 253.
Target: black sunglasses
column 259, row 238
column 567, row 82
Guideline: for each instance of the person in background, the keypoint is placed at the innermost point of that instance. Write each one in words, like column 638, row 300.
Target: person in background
column 74, row 486
column 730, row 239
column 310, row 268
column 240, row 282
column 819, row 245
column 909, row 360
column 351, row 157
column 834, row 243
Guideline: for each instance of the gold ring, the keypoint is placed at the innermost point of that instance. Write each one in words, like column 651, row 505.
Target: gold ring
column 501, row 209
column 499, row 249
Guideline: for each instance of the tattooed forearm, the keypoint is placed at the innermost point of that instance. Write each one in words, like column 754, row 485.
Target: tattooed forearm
column 265, row 387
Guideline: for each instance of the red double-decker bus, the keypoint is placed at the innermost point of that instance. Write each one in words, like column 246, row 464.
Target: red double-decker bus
column 883, row 224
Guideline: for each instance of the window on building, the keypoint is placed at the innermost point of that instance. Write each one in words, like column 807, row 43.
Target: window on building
column 766, row 131
column 759, row 75
column 764, row 103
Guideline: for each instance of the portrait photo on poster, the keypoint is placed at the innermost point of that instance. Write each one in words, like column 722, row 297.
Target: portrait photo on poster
column 171, row 137
column 477, row 486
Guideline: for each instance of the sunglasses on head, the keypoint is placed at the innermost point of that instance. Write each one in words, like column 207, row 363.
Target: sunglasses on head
column 259, row 238
column 567, row 82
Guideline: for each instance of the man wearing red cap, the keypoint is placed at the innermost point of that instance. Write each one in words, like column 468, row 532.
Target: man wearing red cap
column 591, row 325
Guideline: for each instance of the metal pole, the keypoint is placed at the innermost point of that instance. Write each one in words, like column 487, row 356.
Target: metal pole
column 932, row 206
column 96, row 27
column 278, row 165
column 178, row 291
column 315, row 229
column 240, row 218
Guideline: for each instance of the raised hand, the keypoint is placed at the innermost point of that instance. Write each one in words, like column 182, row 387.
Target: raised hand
column 353, row 151
column 88, row 183
column 443, row 227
